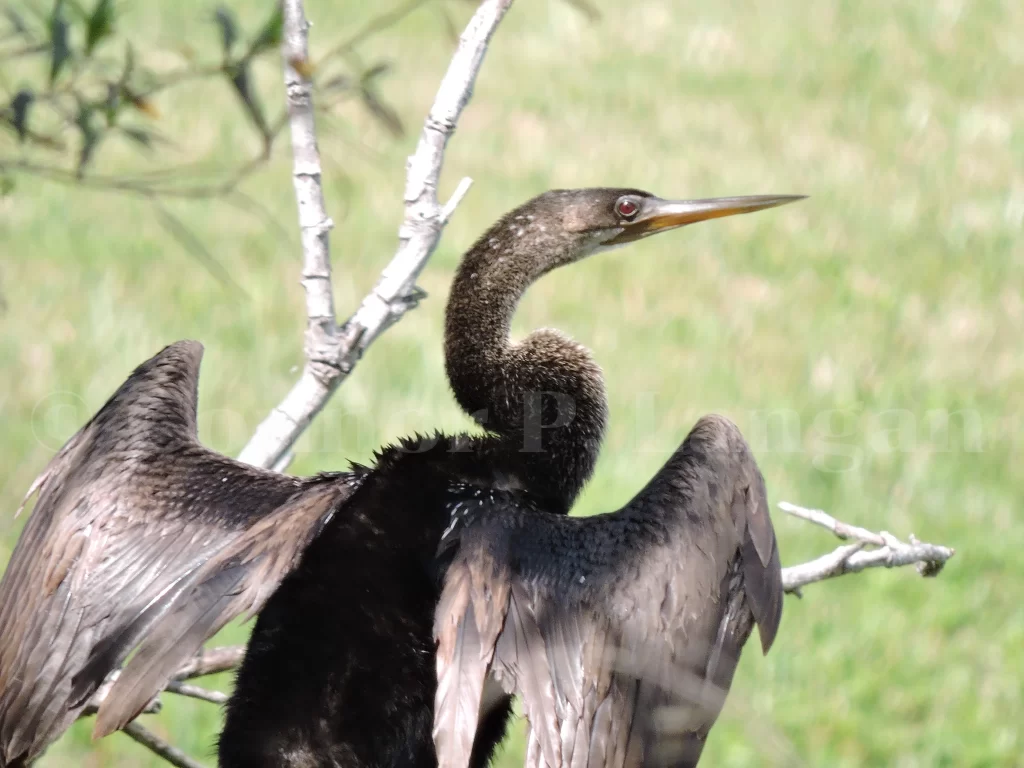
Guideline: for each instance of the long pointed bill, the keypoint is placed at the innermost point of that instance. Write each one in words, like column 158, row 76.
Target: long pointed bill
column 657, row 215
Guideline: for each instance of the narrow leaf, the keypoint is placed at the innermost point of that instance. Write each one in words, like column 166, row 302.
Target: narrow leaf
column 228, row 26
column 19, row 111
column 586, row 8
column 270, row 35
column 99, row 25
column 90, row 138
column 375, row 71
column 59, row 50
column 112, row 104
column 17, row 23
column 141, row 103
column 337, row 83
column 129, row 63
column 240, row 81
column 387, row 116
column 139, row 136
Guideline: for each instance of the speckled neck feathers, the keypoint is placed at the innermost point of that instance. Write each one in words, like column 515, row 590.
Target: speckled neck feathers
column 543, row 396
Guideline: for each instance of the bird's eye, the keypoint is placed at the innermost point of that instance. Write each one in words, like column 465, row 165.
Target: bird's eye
column 626, row 208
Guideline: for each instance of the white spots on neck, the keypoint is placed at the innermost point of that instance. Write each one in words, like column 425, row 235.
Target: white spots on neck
column 494, row 243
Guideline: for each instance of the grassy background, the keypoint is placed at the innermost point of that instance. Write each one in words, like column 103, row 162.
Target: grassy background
column 832, row 331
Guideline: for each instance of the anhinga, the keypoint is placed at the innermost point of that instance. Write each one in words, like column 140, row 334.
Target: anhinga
column 143, row 539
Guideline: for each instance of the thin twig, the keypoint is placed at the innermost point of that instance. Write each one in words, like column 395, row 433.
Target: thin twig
column 890, row 552
column 196, row 692
column 209, row 661
column 332, row 352
column 151, row 741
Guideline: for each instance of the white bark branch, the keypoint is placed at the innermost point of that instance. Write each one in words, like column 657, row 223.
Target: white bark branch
column 332, row 352
column 151, row 741
column 890, row 552
column 196, row 692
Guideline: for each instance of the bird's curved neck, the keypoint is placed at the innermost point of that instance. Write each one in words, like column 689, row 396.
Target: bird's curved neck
column 544, row 396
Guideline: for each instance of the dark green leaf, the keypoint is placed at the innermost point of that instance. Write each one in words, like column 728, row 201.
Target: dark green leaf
column 270, row 35
column 140, row 136
column 140, row 102
column 129, row 64
column 99, row 25
column 240, row 81
column 112, row 104
column 225, row 20
column 19, row 111
column 374, row 72
column 59, row 50
column 586, row 8
column 387, row 116
column 6, row 188
column 337, row 83
column 90, row 137
column 18, row 25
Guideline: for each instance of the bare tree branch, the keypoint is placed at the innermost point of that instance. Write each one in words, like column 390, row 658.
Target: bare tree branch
column 851, row 558
column 150, row 740
column 209, row 661
column 331, row 352
column 197, row 692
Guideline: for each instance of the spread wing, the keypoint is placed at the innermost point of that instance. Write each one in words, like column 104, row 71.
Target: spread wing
column 621, row 632
column 140, row 538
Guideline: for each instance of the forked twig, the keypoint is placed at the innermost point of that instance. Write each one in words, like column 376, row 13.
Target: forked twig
column 887, row 551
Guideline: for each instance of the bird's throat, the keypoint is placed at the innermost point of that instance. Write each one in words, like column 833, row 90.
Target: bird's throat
column 543, row 396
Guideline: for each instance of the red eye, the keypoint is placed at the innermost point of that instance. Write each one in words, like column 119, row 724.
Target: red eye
column 626, row 208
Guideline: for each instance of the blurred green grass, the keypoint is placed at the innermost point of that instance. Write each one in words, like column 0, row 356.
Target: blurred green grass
column 829, row 330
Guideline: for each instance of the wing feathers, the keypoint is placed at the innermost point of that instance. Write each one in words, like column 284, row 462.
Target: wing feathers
column 617, row 621
column 463, row 659
column 521, row 654
column 136, row 528
column 762, row 570
column 179, row 635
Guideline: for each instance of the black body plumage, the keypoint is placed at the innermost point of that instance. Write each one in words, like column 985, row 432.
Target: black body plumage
column 340, row 666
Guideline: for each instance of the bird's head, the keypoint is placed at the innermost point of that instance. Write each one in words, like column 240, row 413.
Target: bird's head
column 565, row 225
